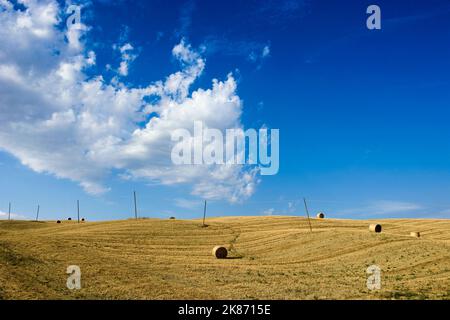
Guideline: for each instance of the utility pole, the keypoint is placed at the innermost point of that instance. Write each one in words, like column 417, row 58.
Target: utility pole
column 307, row 213
column 135, row 205
column 78, row 210
column 37, row 214
column 204, row 214
column 9, row 211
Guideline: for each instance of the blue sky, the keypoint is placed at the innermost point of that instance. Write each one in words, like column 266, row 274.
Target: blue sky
column 363, row 114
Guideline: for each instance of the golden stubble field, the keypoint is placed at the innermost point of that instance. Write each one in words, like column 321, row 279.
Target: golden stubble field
column 271, row 257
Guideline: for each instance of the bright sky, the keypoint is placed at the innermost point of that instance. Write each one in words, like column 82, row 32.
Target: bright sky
column 86, row 114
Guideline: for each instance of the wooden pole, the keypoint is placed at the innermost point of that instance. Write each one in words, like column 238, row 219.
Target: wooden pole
column 204, row 214
column 307, row 213
column 37, row 214
column 78, row 210
column 9, row 211
column 135, row 205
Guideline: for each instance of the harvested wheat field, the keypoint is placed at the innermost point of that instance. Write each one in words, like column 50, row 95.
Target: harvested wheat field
column 268, row 258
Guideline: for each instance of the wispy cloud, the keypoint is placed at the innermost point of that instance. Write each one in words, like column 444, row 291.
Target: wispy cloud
column 268, row 212
column 254, row 51
column 188, row 203
column 387, row 207
column 281, row 11
column 445, row 10
column 284, row 207
column 14, row 216
column 186, row 18
column 127, row 57
column 382, row 208
column 259, row 56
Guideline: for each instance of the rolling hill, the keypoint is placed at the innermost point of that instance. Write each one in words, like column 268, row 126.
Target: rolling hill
column 271, row 257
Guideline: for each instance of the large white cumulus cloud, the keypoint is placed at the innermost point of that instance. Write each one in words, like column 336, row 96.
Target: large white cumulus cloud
column 55, row 119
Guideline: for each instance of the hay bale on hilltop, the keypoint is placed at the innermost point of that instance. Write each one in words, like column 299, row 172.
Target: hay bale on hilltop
column 70, row 219
column 375, row 228
column 59, row 221
column 320, row 215
column 220, row 252
column 415, row 234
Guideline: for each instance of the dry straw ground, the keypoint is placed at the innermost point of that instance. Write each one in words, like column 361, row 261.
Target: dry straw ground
column 269, row 258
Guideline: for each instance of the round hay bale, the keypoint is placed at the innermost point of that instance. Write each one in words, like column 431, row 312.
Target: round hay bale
column 172, row 218
column 320, row 215
column 70, row 219
column 415, row 234
column 82, row 219
column 59, row 221
column 375, row 228
column 220, row 252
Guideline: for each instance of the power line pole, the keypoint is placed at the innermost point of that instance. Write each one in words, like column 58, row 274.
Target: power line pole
column 307, row 213
column 204, row 214
column 37, row 214
column 9, row 211
column 78, row 210
column 135, row 205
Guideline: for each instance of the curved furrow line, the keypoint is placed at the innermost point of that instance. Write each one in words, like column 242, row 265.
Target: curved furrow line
column 341, row 253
